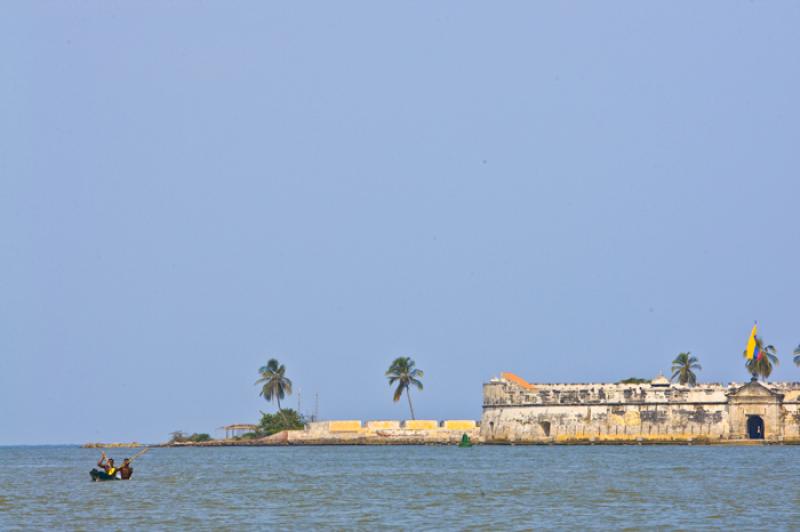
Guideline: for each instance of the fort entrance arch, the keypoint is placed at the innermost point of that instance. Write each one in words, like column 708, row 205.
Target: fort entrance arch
column 755, row 412
column 755, row 428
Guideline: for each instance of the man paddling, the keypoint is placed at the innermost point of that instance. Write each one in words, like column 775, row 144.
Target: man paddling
column 125, row 470
column 108, row 470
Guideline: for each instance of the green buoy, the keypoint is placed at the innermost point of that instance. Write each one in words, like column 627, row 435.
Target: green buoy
column 465, row 441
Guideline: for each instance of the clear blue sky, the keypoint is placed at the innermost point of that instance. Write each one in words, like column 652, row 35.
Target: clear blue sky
column 572, row 191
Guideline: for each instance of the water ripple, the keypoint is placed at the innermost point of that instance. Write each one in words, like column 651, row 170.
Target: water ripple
column 426, row 488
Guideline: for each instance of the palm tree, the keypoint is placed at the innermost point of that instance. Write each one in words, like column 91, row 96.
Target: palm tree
column 761, row 366
column 682, row 368
column 275, row 383
column 403, row 372
column 797, row 355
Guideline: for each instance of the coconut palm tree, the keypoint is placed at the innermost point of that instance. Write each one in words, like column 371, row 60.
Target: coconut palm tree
column 683, row 366
column 274, row 382
column 761, row 366
column 797, row 355
column 403, row 372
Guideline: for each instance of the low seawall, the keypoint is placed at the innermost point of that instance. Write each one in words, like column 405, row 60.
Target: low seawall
column 356, row 432
column 389, row 432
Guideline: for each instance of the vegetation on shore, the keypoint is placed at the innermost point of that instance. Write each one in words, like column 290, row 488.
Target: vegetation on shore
column 181, row 437
column 286, row 419
column 634, row 380
column 403, row 372
column 275, row 385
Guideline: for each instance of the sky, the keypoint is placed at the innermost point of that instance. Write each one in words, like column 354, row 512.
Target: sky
column 570, row 191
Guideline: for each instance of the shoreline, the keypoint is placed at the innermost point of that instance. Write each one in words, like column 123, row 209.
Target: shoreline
column 361, row 442
column 285, row 440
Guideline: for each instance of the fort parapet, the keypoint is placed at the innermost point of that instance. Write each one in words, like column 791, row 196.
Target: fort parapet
column 515, row 411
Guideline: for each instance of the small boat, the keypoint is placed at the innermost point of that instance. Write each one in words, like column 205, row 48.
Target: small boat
column 98, row 475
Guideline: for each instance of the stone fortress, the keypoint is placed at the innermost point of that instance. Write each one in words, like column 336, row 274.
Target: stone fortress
column 515, row 411
column 518, row 412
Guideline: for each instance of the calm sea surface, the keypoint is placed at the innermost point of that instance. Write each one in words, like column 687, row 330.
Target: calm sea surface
column 407, row 487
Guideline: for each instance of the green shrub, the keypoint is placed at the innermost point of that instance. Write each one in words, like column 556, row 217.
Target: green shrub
column 284, row 419
column 181, row 437
column 634, row 380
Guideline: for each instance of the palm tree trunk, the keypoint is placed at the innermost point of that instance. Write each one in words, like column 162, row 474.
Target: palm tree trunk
column 410, row 406
column 280, row 410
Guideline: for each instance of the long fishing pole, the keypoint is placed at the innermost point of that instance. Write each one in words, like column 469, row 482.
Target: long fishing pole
column 137, row 455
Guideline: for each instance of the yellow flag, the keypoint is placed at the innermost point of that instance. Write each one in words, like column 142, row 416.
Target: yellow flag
column 751, row 344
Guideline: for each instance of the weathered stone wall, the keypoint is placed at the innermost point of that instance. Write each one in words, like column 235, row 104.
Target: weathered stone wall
column 791, row 413
column 514, row 412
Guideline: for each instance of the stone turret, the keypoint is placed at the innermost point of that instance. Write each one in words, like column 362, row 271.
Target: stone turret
column 661, row 381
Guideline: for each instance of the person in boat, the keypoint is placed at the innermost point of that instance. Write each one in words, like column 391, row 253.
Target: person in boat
column 107, row 471
column 125, row 470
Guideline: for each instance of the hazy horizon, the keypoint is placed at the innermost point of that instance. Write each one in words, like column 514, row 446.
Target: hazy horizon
column 569, row 192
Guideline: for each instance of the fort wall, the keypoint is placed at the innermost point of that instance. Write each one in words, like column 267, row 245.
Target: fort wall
column 515, row 411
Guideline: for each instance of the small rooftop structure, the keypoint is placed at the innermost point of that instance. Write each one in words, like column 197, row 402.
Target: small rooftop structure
column 519, row 381
column 237, row 429
column 661, row 380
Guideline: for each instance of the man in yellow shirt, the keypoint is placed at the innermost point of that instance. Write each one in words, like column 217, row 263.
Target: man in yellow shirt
column 108, row 470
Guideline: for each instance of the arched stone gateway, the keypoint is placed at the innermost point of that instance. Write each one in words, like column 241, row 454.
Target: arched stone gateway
column 755, row 412
column 755, row 428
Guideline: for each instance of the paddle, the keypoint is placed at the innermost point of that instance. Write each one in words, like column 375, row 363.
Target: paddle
column 140, row 453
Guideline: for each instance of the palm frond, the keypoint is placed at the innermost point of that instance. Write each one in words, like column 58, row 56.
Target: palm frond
column 682, row 368
column 274, row 383
column 398, row 393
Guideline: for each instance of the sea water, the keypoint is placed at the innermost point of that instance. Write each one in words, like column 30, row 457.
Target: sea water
column 498, row 487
